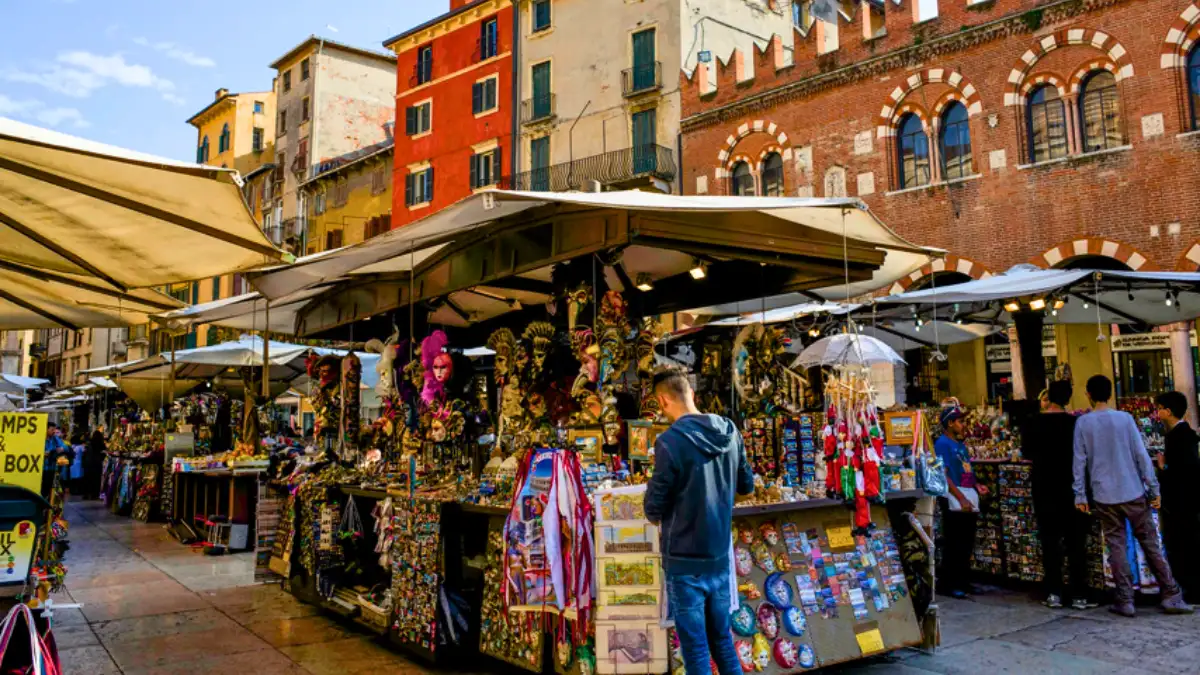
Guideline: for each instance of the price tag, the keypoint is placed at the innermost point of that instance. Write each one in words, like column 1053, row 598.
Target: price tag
column 840, row 536
column 870, row 641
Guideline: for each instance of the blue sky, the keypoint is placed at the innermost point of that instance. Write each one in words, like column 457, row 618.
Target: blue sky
column 131, row 72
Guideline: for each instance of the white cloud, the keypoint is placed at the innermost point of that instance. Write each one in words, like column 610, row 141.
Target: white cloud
column 177, row 53
column 37, row 111
column 79, row 73
column 172, row 98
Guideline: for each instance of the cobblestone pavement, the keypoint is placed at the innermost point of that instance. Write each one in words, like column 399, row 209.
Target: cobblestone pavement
column 151, row 605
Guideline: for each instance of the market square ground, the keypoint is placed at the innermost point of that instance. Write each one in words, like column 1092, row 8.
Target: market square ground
column 151, row 605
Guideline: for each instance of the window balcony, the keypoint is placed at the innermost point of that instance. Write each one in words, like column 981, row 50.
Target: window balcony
column 538, row 109
column 641, row 79
column 609, row 169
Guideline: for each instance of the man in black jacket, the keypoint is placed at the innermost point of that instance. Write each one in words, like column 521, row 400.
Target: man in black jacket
column 698, row 465
column 1179, row 478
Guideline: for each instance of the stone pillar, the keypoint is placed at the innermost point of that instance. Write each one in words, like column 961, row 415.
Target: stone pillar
column 1018, row 376
column 1074, row 146
column 1183, row 368
column 935, row 155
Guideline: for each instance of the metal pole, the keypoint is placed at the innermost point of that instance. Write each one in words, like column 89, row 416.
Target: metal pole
column 171, row 391
column 266, row 375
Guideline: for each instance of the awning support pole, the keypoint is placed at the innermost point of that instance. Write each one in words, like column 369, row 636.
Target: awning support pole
column 266, row 374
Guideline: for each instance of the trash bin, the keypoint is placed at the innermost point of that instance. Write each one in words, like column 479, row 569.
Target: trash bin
column 22, row 519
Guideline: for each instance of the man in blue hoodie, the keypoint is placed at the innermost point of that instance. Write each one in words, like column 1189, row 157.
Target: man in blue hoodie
column 698, row 465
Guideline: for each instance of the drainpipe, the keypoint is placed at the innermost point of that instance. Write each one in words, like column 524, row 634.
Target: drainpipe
column 515, row 155
column 679, row 167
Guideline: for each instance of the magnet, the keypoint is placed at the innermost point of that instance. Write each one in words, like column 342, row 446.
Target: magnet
column 768, row 620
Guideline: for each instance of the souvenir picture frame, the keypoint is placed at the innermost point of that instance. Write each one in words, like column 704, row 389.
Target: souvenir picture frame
column 620, row 538
column 900, row 428
column 657, row 430
column 638, row 433
column 587, row 441
column 631, row 647
column 629, row 571
column 710, row 363
column 638, row 603
column 621, row 504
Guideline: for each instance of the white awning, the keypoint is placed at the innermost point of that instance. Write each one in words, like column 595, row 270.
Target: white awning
column 75, row 207
column 18, row 384
column 403, row 248
column 40, row 299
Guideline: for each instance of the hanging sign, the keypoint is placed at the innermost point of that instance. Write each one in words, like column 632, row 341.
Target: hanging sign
column 22, row 449
column 16, row 552
column 1141, row 342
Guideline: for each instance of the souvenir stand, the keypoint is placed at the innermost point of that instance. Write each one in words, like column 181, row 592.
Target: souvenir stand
column 132, row 473
column 484, row 531
column 1006, row 547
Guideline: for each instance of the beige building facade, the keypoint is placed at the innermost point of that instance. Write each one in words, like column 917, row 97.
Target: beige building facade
column 599, row 88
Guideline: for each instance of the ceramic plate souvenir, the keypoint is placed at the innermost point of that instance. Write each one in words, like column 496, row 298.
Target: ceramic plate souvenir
column 786, row 653
column 768, row 620
column 794, row 621
column 742, row 620
column 762, row 652
column 778, row 591
column 807, row 658
column 742, row 560
column 745, row 656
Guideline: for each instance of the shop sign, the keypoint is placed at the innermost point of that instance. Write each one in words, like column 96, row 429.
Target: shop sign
column 16, row 552
column 1141, row 342
column 22, row 449
column 1004, row 352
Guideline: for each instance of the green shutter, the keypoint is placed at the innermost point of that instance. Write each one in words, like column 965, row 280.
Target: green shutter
column 644, row 140
column 643, row 60
column 541, row 90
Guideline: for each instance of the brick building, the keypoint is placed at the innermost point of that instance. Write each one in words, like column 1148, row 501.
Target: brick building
column 1058, row 133
column 454, row 123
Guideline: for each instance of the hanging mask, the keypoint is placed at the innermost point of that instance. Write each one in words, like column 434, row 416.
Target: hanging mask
column 807, row 658
column 745, row 655
column 786, row 653
column 587, row 660
column 749, row 589
column 769, row 532
column 742, row 620
column 768, row 620
column 794, row 621
column 778, row 591
column 762, row 652
column 745, row 533
column 762, row 557
column 563, row 651
column 742, row 561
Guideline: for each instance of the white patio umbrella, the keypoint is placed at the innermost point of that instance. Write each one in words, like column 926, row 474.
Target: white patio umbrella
column 847, row 349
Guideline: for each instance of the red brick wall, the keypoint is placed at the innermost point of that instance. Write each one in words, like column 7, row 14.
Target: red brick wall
column 454, row 128
column 1007, row 215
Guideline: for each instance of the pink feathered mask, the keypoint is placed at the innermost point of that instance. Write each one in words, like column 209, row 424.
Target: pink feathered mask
column 431, row 354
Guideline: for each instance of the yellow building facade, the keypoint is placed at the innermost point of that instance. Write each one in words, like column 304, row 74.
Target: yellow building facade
column 349, row 199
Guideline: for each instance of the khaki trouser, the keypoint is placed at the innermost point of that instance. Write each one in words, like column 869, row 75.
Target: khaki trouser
column 1137, row 512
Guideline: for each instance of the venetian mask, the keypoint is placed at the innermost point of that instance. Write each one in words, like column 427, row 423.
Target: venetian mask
column 768, row 620
column 541, row 336
column 786, row 653
column 745, row 655
column 762, row 557
column 762, row 652
column 437, row 430
column 778, row 590
column 807, row 658
column 769, row 532
column 576, row 301
column 749, row 589
column 443, row 367
column 742, row 620
column 742, row 561
column 745, row 533
column 501, row 342
column 794, row 621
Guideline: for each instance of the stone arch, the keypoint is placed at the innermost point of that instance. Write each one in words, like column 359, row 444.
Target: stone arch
column 1083, row 71
column 762, row 156
column 1182, row 35
column 1014, row 95
column 1036, row 81
column 734, row 160
column 894, row 107
column 725, row 156
column 1098, row 246
column 950, row 263
column 1190, row 260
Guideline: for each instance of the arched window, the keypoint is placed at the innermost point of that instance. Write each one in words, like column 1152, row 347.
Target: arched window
column 772, row 176
column 912, row 151
column 743, row 180
column 223, row 140
column 1100, row 112
column 1193, row 75
column 202, row 151
column 956, row 143
column 1047, row 119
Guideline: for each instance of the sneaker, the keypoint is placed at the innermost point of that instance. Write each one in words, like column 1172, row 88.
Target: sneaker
column 1083, row 604
column 1053, row 602
column 1123, row 610
column 958, row 594
column 1176, row 605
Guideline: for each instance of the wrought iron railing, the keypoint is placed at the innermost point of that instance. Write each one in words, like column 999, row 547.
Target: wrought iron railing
column 607, row 169
column 538, row 108
column 641, row 78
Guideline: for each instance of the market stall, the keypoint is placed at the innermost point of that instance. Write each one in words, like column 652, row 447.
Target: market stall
column 450, row 491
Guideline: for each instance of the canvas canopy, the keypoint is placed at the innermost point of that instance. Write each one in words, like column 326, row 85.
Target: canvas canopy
column 32, row 299
column 70, row 206
column 1065, row 296
column 20, row 384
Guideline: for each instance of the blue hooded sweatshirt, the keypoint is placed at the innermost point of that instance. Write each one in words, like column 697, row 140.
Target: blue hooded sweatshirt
column 698, row 465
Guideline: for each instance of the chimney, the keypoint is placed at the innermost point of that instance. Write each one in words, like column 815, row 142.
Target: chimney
column 221, row 93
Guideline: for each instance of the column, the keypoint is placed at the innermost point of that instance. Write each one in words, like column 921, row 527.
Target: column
column 1074, row 146
column 1018, row 375
column 968, row 372
column 1183, row 368
column 935, row 156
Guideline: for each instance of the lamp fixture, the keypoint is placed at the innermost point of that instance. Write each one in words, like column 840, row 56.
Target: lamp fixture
column 1037, row 304
column 813, row 332
column 644, row 283
column 1058, row 303
column 1086, row 305
column 1012, row 306
column 699, row 269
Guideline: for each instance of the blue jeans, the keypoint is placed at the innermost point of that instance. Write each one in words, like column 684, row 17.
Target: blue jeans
column 701, row 606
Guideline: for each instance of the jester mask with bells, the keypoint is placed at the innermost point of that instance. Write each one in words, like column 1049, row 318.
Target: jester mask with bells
column 541, row 338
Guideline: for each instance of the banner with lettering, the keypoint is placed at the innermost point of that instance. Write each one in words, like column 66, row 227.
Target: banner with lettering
column 22, row 449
